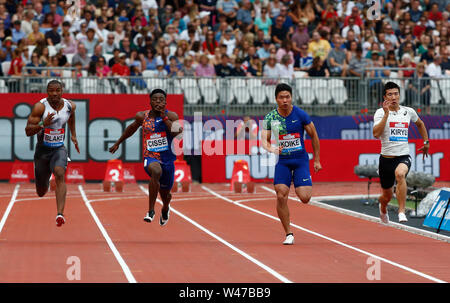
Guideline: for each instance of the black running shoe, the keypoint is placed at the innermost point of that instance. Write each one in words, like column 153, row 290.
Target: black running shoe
column 149, row 216
column 164, row 217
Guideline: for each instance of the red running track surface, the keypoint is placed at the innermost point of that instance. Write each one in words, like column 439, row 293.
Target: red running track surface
column 207, row 239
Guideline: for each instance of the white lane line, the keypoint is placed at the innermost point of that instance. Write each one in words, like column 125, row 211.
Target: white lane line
column 423, row 275
column 189, row 199
column 9, row 207
column 316, row 202
column 115, row 198
column 254, row 199
column 242, row 253
column 125, row 268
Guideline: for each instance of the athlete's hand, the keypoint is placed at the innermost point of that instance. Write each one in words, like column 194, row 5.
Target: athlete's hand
column 48, row 120
column 386, row 104
column 160, row 111
column 113, row 148
column 317, row 166
column 277, row 150
column 75, row 142
column 425, row 149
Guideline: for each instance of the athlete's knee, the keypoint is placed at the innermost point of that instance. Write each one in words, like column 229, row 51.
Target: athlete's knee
column 400, row 176
column 305, row 199
column 59, row 174
column 155, row 172
column 282, row 197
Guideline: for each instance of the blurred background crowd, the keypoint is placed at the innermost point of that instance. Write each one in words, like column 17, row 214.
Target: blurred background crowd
column 221, row 38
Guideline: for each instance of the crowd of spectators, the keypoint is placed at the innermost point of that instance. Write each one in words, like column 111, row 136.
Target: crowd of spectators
column 220, row 38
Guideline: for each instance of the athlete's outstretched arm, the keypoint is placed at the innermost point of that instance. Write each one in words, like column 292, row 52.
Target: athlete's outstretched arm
column 71, row 123
column 311, row 131
column 423, row 132
column 129, row 131
column 33, row 126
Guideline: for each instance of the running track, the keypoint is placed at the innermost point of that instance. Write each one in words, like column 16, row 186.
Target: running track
column 213, row 236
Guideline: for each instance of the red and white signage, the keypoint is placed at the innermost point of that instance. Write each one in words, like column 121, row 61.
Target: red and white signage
column 129, row 175
column 20, row 173
column 114, row 171
column 74, row 173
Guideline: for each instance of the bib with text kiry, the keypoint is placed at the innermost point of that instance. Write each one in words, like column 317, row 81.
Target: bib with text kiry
column 398, row 131
column 53, row 137
column 290, row 142
column 157, row 142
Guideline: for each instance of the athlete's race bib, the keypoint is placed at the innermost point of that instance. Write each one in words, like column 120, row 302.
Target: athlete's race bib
column 53, row 137
column 290, row 143
column 157, row 142
column 398, row 131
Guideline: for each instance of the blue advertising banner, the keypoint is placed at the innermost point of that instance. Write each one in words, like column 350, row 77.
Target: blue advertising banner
column 436, row 212
column 357, row 127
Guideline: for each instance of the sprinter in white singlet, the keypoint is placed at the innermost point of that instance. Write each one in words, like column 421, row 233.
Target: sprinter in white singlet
column 391, row 124
column 48, row 120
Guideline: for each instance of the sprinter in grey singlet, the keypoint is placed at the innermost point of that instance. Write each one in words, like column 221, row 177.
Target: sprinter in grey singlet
column 48, row 120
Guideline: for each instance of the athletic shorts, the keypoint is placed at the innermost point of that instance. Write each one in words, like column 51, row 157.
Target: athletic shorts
column 167, row 175
column 292, row 170
column 386, row 169
column 45, row 161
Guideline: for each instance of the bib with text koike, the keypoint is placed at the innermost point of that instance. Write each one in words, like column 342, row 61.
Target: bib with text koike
column 290, row 142
column 54, row 137
column 157, row 142
column 398, row 131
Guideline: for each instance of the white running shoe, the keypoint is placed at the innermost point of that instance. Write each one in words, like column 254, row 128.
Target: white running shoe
column 289, row 239
column 384, row 217
column 402, row 217
column 149, row 216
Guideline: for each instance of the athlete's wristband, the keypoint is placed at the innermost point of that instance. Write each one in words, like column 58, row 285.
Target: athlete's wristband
column 165, row 118
column 41, row 123
column 426, row 142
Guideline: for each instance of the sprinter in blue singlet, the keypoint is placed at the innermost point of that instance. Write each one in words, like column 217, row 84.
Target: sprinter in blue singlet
column 286, row 124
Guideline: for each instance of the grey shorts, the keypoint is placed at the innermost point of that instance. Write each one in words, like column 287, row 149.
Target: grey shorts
column 45, row 161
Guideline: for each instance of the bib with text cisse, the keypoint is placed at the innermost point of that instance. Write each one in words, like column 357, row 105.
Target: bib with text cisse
column 157, row 142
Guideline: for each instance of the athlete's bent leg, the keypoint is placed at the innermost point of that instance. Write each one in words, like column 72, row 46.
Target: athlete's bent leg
column 166, row 196
column 42, row 175
column 304, row 193
column 401, row 189
column 154, row 169
column 282, row 208
column 61, row 189
column 386, row 196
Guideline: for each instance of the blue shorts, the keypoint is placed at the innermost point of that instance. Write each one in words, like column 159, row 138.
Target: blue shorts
column 167, row 175
column 292, row 170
